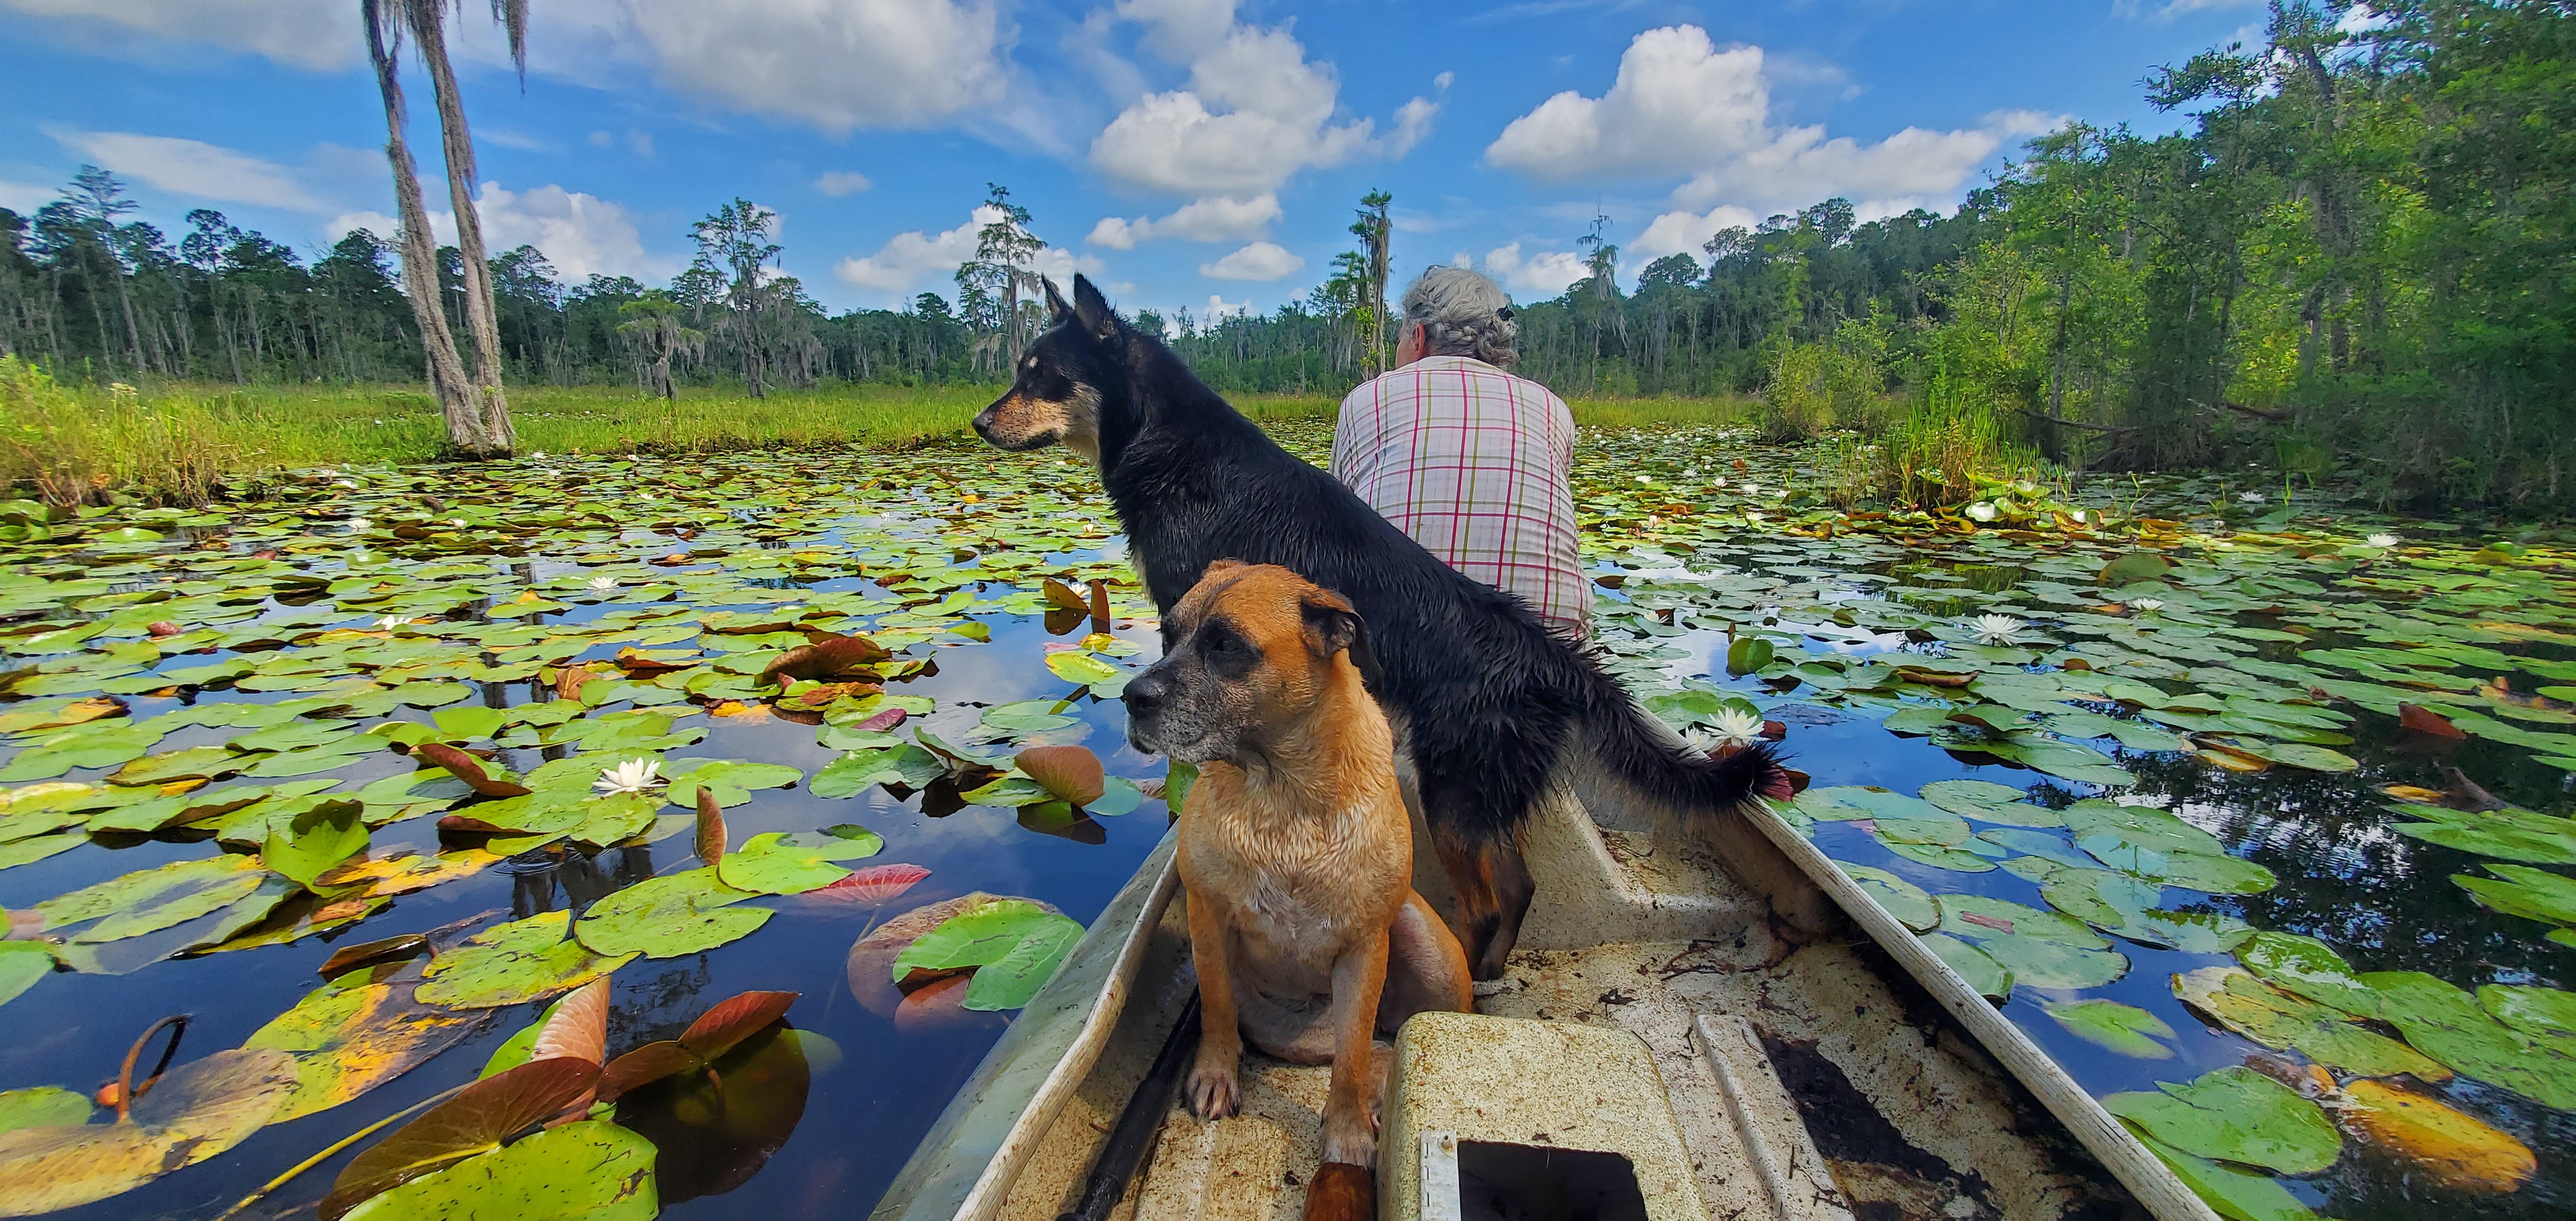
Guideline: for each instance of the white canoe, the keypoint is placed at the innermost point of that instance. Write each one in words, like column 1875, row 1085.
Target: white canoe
column 1817, row 1061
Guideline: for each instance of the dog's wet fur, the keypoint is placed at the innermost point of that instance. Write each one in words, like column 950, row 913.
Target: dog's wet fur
column 1295, row 852
column 1493, row 709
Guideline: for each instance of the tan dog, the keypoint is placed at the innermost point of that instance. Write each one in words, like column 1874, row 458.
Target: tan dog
column 1295, row 849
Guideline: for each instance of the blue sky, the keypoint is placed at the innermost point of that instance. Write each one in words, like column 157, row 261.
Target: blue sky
column 1200, row 154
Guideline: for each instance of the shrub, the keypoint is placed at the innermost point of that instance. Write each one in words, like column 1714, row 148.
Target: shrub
column 1816, row 386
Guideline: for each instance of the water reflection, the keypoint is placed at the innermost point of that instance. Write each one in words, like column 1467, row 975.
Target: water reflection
column 584, row 878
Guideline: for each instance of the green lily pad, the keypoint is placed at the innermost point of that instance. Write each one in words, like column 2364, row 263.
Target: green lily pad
column 1018, row 942
column 2281, row 1020
column 199, row 1110
column 2449, row 1025
column 2239, row 1195
column 1980, row 970
column 783, row 864
column 29, row 851
column 2235, row 1115
column 2523, row 891
column 731, row 780
column 1103, row 679
column 2124, row 1029
column 589, row 1170
column 314, row 841
column 670, row 916
column 2305, row 966
column 42, row 1105
column 512, row 964
column 22, row 964
column 1908, row 903
column 148, row 900
column 350, row 1036
column 860, row 770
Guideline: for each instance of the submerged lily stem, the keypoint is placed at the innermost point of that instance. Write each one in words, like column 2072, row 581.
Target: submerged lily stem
column 335, row 1147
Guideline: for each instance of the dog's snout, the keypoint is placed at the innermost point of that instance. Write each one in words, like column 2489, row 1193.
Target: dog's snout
column 984, row 421
column 1145, row 695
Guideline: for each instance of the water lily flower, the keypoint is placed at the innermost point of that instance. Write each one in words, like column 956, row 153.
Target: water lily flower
column 2146, row 604
column 2383, row 541
column 1718, row 483
column 360, row 525
column 390, row 622
column 1733, row 727
column 1982, row 511
column 632, row 776
column 603, row 584
column 457, row 522
column 1645, row 479
column 1998, row 629
column 538, row 456
column 1752, row 517
column 346, row 483
column 1751, row 489
column 2252, row 498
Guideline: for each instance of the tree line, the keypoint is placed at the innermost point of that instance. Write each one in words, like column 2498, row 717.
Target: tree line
column 2351, row 256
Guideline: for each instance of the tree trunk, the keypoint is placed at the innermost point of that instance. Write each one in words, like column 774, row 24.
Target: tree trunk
column 419, row 251
column 479, row 309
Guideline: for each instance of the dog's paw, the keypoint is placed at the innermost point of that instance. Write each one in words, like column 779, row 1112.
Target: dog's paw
column 1213, row 1092
column 1351, row 1136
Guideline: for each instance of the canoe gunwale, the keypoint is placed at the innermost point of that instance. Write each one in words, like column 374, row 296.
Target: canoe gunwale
column 965, row 1165
column 2141, row 1171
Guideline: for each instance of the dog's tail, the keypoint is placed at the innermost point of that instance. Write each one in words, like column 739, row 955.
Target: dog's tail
column 1633, row 748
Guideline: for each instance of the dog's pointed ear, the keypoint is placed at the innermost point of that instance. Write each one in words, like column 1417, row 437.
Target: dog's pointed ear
column 1092, row 308
column 1221, row 567
column 1331, row 624
column 1057, row 307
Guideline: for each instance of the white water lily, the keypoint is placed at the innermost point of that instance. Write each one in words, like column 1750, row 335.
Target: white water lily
column 1998, row 629
column 2382, row 541
column 360, row 525
column 1718, row 483
column 1749, row 489
column 538, row 456
column 1733, row 727
column 457, row 522
column 1982, row 511
column 2146, row 604
column 390, row 622
column 603, row 584
column 632, row 776
column 1752, row 517
column 1645, row 479
column 2252, row 498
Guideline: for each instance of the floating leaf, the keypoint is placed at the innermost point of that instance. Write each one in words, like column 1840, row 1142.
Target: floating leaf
column 22, row 964
column 197, row 1111
column 1907, row 902
column 2125, row 1029
column 2281, row 1020
column 2534, row 893
column 475, row 1121
column 671, row 916
column 1748, row 654
column 2419, row 719
column 710, row 827
column 824, row 659
column 351, row 957
column 613, row 1180
column 42, row 1106
column 872, row 886
column 314, row 841
column 2134, row 566
column 2237, row 1194
column 1069, row 772
column 780, row 864
column 2456, row 1151
column 2447, row 1024
column 350, row 1036
column 731, row 780
column 861, row 770
column 1989, row 802
column 715, row 1129
column 151, row 899
column 1981, row 971
column 707, row 1039
column 194, row 763
column 467, row 768
column 2305, row 966
column 511, row 964
column 1104, row 679
column 2235, row 1115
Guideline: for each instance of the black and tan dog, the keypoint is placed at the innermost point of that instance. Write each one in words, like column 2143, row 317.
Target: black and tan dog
column 1295, row 851
column 1492, row 709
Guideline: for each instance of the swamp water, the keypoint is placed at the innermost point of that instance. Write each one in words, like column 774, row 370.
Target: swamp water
column 2137, row 763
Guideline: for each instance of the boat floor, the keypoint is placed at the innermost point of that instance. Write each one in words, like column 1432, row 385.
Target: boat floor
column 1911, row 1118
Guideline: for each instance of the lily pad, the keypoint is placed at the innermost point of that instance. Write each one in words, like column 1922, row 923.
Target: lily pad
column 670, row 916
column 198, row 1111
column 1910, row 904
column 1980, row 970
column 591, row 1170
column 2524, row 891
column 2239, row 1195
column 2125, row 1029
column 2455, row 1150
column 1987, row 801
column 316, row 840
column 22, row 963
column 1016, row 942
column 787, row 864
column 731, row 780
column 2235, row 1115
column 350, row 1036
column 148, row 900
column 512, row 964
column 2282, row 1020
column 42, row 1106
column 474, row 1122
column 2447, row 1024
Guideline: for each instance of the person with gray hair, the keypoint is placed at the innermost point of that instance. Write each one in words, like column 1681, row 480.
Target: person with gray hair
column 1467, row 459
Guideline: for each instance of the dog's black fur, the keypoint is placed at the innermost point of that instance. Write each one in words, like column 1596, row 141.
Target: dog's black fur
column 1486, row 698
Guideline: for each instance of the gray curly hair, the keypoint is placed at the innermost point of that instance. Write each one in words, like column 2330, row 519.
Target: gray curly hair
column 1463, row 314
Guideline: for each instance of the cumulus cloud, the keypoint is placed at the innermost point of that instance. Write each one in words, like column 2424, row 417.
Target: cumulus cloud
column 318, row 34
column 837, row 183
column 1215, row 219
column 1681, row 105
column 1542, row 274
column 1258, row 261
column 910, row 262
column 1685, row 232
column 581, row 234
column 838, row 65
column 1256, row 111
column 1219, row 309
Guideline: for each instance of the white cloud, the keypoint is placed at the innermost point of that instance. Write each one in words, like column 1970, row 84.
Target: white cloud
column 837, row 64
column 192, row 167
column 1220, row 309
column 637, row 141
column 2176, row 8
column 502, row 137
column 1681, row 105
column 1214, row 219
column 1258, row 261
column 318, row 34
column 1685, row 232
column 581, row 234
column 1544, row 274
column 1256, row 110
column 24, row 198
column 837, row 183
column 909, row 262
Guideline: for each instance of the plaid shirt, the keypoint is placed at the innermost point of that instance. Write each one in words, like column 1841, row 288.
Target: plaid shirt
column 1473, row 463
